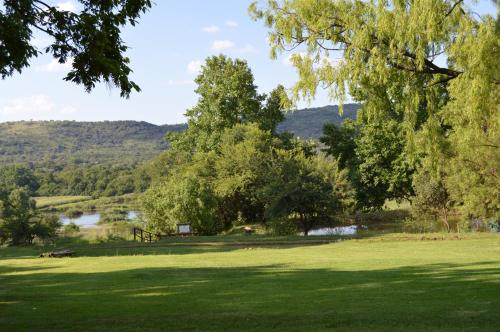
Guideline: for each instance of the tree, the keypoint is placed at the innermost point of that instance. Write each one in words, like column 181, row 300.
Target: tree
column 17, row 176
column 374, row 153
column 252, row 177
column 89, row 38
column 242, row 167
column 19, row 221
column 432, row 199
column 309, row 190
column 432, row 63
column 340, row 141
column 228, row 96
column 186, row 196
column 384, row 171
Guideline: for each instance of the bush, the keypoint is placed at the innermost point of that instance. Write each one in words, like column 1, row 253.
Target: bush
column 113, row 216
column 186, row 197
column 20, row 222
column 73, row 213
column 432, row 200
column 71, row 228
column 419, row 225
column 282, row 227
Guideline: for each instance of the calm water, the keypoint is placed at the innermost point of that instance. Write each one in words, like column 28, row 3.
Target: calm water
column 91, row 219
column 341, row 230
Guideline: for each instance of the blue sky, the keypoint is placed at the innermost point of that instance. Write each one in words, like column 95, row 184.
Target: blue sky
column 166, row 49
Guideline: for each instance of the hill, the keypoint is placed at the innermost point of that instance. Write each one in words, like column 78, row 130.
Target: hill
column 81, row 142
column 123, row 141
column 308, row 123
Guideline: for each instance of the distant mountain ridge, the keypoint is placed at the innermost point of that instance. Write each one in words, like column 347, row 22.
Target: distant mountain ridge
column 124, row 141
column 308, row 122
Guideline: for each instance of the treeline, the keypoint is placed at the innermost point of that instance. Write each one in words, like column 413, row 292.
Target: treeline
column 96, row 180
column 232, row 166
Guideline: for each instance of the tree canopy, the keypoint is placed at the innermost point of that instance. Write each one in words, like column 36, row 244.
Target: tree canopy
column 89, row 38
column 227, row 96
column 431, row 65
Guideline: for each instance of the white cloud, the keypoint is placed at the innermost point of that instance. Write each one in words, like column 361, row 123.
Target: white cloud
column 68, row 6
column 211, row 29
column 36, row 107
column 232, row 24
column 31, row 105
column 220, row 45
column 180, row 82
column 194, row 67
column 55, row 66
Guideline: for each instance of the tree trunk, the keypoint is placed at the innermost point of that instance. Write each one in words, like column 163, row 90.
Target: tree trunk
column 445, row 219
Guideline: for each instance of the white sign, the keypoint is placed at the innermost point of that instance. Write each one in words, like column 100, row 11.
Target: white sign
column 184, row 229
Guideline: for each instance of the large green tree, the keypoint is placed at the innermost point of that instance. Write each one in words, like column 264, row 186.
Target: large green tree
column 433, row 62
column 89, row 37
column 227, row 96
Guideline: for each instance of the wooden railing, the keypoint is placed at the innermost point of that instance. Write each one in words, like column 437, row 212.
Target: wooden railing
column 143, row 236
column 146, row 236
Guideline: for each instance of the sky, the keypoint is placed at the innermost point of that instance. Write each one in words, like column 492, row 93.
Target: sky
column 166, row 50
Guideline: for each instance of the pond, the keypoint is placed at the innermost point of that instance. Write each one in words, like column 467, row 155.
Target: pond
column 91, row 219
column 341, row 230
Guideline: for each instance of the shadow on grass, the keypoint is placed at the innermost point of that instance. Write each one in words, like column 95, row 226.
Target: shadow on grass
column 171, row 246
column 445, row 297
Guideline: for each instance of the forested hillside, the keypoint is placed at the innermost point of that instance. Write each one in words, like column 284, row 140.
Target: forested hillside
column 123, row 142
column 82, row 142
column 308, row 123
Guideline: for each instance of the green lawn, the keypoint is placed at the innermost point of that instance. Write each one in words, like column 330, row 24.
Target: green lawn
column 372, row 284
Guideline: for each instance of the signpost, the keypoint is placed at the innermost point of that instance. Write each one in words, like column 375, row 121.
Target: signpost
column 184, row 229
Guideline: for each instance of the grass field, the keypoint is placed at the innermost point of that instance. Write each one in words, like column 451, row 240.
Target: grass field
column 87, row 203
column 373, row 284
column 45, row 201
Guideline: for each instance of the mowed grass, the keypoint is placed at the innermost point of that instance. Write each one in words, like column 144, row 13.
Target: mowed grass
column 372, row 284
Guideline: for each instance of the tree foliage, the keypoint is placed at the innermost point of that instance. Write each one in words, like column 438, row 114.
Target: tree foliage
column 19, row 221
column 429, row 65
column 227, row 96
column 253, row 177
column 18, row 176
column 308, row 191
column 89, row 38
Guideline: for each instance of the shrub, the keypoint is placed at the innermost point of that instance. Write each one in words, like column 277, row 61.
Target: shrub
column 73, row 213
column 432, row 200
column 47, row 226
column 282, row 227
column 71, row 228
column 113, row 216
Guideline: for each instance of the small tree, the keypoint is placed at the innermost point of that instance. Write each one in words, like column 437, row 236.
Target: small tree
column 432, row 199
column 19, row 221
column 309, row 190
column 186, row 195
